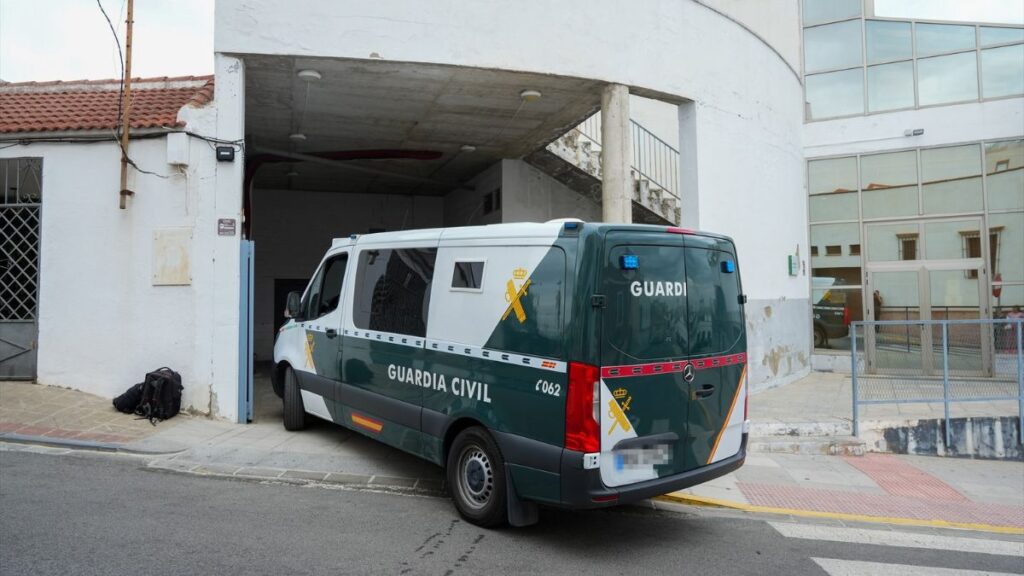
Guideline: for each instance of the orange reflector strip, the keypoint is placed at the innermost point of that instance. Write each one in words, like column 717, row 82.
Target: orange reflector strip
column 728, row 415
column 364, row 422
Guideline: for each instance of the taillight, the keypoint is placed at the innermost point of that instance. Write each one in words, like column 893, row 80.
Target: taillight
column 582, row 409
column 677, row 230
column 846, row 315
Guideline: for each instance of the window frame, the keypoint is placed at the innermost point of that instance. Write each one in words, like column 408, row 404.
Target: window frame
column 318, row 279
column 354, row 308
column 455, row 267
column 865, row 17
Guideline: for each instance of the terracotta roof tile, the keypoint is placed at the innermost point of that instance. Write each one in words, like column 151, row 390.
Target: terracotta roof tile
column 60, row 106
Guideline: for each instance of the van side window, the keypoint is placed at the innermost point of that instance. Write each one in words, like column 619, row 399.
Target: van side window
column 715, row 317
column 324, row 292
column 393, row 290
column 468, row 275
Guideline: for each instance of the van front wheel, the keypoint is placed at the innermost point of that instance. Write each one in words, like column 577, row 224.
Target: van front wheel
column 476, row 478
column 294, row 411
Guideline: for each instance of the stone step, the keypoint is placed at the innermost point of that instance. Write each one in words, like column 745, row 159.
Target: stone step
column 834, row 446
column 795, row 428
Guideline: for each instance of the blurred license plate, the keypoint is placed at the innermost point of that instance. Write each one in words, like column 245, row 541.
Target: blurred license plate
column 642, row 457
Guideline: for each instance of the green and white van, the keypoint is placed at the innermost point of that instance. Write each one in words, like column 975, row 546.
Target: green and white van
column 563, row 364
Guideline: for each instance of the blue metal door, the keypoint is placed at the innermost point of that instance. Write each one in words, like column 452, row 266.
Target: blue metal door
column 245, row 348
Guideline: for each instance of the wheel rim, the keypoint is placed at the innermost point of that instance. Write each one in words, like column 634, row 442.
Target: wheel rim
column 476, row 477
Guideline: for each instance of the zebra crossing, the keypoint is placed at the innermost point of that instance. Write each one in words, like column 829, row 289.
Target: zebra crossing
column 1012, row 548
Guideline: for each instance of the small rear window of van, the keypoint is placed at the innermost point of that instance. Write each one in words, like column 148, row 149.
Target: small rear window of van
column 468, row 275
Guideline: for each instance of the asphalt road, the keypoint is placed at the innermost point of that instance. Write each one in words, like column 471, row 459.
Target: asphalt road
column 84, row 513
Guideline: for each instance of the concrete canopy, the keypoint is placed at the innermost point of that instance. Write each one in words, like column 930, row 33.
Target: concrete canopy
column 374, row 105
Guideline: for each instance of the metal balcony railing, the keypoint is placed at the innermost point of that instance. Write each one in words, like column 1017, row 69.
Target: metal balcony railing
column 653, row 159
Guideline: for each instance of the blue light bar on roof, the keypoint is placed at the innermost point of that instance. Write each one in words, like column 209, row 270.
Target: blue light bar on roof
column 572, row 225
column 728, row 266
column 630, row 261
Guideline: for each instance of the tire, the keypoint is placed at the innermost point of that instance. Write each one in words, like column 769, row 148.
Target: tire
column 476, row 478
column 294, row 411
column 820, row 338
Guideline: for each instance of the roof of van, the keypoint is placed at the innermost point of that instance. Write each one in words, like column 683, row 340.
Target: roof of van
column 514, row 230
column 508, row 231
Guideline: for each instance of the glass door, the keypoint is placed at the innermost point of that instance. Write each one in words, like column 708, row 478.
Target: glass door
column 895, row 295
column 927, row 270
column 959, row 294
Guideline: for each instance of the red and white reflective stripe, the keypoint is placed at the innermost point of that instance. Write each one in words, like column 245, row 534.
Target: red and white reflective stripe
column 655, row 368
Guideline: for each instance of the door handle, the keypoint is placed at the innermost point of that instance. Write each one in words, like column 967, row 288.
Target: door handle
column 705, row 391
column 331, row 333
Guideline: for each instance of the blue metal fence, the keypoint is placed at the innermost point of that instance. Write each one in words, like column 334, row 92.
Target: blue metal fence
column 927, row 361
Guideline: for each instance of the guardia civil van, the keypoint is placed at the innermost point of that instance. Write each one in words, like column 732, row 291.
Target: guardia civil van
column 566, row 364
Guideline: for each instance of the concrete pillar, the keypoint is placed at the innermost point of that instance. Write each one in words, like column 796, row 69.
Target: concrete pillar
column 689, row 191
column 616, row 155
column 224, row 316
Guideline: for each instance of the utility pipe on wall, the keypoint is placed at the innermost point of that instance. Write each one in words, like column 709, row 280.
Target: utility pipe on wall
column 126, row 110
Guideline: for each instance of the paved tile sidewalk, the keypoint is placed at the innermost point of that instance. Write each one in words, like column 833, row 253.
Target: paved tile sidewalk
column 878, row 485
column 28, row 409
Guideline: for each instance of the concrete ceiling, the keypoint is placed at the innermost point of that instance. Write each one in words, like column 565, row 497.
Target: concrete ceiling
column 368, row 104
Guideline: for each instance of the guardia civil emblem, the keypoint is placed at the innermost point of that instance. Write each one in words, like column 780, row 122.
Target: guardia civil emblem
column 514, row 294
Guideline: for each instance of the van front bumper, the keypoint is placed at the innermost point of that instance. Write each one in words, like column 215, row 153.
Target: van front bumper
column 584, row 489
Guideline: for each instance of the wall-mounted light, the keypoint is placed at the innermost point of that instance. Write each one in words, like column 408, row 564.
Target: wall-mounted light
column 309, row 75
column 467, row 148
column 913, row 132
column 297, row 137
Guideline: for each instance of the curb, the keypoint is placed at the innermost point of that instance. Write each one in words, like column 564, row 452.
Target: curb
column 694, row 500
column 74, row 444
column 417, row 486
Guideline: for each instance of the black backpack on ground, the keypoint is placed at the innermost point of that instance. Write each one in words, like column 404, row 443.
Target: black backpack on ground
column 161, row 395
column 130, row 400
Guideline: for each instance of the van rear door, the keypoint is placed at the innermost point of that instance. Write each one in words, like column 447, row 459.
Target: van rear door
column 717, row 345
column 673, row 355
column 644, row 399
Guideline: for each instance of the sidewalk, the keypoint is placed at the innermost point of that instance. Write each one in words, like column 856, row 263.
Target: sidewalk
column 875, row 487
column 899, row 489
column 821, row 404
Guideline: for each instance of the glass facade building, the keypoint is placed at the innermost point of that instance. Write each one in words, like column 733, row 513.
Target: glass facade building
column 916, row 232
column 856, row 64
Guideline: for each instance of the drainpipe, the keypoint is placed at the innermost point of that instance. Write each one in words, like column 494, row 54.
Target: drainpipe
column 616, row 152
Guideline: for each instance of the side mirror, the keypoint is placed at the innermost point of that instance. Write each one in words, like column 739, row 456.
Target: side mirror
column 293, row 306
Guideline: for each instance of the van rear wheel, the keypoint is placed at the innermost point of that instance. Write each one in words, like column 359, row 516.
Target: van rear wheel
column 476, row 478
column 294, row 411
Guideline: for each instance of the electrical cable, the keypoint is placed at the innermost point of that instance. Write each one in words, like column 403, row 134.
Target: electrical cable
column 120, row 59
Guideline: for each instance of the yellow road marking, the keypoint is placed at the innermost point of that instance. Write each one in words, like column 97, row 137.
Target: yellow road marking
column 718, row 503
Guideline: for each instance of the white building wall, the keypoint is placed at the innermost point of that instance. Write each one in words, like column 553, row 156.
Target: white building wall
column 465, row 206
column 529, row 195
column 959, row 123
column 103, row 321
column 749, row 98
